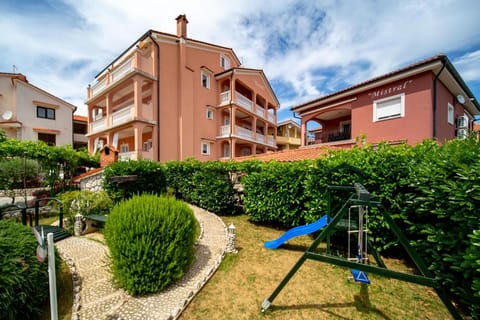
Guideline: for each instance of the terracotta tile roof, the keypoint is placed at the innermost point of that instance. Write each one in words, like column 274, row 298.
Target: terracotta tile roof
column 80, row 118
column 86, row 174
column 307, row 153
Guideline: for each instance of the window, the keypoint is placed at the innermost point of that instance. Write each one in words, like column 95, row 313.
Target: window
column 147, row 145
column 450, row 114
column 209, row 114
column 124, row 148
column 389, row 108
column 205, row 148
column 48, row 138
column 46, row 113
column 224, row 62
column 205, row 80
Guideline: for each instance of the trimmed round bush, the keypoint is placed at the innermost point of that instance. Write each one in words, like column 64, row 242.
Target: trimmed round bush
column 23, row 280
column 151, row 241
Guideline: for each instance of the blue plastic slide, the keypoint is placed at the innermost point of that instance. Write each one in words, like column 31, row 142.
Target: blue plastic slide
column 297, row 231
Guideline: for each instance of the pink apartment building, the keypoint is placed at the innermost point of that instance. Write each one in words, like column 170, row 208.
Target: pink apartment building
column 427, row 99
column 169, row 97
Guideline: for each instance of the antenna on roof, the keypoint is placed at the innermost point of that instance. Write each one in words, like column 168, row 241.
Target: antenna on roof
column 14, row 69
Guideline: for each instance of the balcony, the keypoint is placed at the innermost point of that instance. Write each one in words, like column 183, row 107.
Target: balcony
column 288, row 140
column 134, row 155
column 331, row 136
column 136, row 62
column 122, row 70
column 122, row 116
column 98, row 125
column 246, row 104
column 243, row 101
column 246, row 134
column 99, row 86
column 260, row 111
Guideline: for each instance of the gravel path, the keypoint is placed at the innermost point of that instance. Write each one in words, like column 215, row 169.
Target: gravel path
column 96, row 298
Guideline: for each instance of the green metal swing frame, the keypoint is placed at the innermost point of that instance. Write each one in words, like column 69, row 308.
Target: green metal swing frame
column 360, row 196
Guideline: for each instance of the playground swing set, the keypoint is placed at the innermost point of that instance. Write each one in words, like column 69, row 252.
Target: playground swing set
column 359, row 203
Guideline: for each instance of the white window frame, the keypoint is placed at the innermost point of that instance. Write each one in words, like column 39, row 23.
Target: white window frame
column 205, row 148
column 224, row 62
column 450, row 114
column 124, row 148
column 394, row 116
column 205, row 84
column 210, row 114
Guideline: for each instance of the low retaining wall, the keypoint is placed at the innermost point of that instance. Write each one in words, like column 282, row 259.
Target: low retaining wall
column 92, row 182
column 19, row 192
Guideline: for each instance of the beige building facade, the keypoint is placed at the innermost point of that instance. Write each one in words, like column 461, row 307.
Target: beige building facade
column 169, row 97
column 30, row 113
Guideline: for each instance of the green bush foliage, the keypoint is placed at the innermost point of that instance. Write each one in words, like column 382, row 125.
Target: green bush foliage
column 49, row 157
column 276, row 194
column 205, row 184
column 150, row 179
column 85, row 202
column 23, row 280
column 151, row 242
column 14, row 170
column 443, row 211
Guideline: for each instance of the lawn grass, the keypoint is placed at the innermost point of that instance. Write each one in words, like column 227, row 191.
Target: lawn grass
column 317, row 291
column 64, row 295
column 64, row 284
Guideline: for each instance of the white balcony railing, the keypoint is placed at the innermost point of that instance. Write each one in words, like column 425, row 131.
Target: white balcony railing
column 271, row 117
column 243, row 132
column 125, row 156
column 271, row 141
column 225, row 131
column 99, row 86
column 98, row 125
column 121, row 116
column 225, row 97
column 260, row 111
column 123, row 69
column 243, row 101
column 260, row 138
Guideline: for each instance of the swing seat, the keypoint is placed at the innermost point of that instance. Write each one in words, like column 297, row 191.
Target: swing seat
column 360, row 276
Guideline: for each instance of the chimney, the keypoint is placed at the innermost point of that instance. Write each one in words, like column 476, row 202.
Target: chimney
column 182, row 26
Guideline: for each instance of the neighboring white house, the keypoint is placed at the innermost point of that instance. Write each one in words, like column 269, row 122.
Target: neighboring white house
column 30, row 113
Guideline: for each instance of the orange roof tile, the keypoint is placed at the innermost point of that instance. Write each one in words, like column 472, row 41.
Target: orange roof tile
column 307, row 153
column 80, row 118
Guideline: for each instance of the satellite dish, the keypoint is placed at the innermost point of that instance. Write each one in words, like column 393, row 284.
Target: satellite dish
column 7, row 115
column 460, row 99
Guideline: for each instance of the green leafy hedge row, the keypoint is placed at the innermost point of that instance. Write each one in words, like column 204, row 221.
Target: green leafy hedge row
column 23, row 280
column 432, row 192
column 149, row 178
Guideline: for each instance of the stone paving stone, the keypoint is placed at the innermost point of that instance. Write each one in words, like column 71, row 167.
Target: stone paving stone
column 100, row 299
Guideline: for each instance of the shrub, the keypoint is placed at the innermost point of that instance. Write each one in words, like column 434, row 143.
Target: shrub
column 151, row 242
column 23, row 280
column 276, row 194
column 85, row 202
column 150, row 179
column 213, row 189
column 205, row 184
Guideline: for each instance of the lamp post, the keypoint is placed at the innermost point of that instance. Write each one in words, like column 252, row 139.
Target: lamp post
column 231, row 239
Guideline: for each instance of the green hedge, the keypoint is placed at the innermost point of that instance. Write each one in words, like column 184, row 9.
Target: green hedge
column 150, row 179
column 205, row 184
column 151, row 242
column 432, row 192
column 23, row 280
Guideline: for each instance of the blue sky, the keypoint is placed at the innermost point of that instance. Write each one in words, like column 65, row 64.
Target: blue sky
column 306, row 48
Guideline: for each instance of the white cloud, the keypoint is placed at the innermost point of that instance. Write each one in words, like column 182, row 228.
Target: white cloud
column 468, row 66
column 308, row 48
